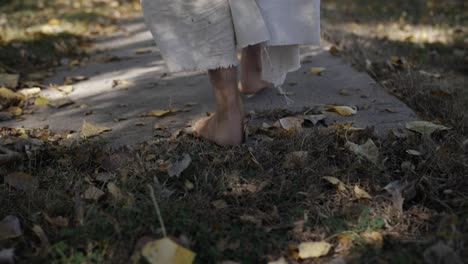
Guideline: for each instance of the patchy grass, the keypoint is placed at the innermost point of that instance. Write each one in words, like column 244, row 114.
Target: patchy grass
column 271, row 204
column 430, row 36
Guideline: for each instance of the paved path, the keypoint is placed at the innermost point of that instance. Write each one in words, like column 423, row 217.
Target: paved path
column 152, row 89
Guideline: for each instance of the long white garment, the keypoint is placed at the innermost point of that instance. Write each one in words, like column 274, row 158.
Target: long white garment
column 205, row 34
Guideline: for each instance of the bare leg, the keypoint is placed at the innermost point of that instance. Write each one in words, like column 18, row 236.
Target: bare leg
column 225, row 127
column 251, row 70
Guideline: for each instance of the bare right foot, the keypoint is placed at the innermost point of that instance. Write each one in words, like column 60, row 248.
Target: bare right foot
column 226, row 127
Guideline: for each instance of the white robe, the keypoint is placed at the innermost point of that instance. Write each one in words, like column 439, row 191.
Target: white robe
column 195, row 35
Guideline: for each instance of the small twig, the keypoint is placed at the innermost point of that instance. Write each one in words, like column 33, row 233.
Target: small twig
column 153, row 198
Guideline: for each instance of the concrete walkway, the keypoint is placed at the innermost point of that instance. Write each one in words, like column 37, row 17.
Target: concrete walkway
column 152, row 88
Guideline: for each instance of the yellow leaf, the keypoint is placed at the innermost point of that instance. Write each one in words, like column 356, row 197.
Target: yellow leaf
column 41, row 100
column 360, row 193
column 165, row 251
column 341, row 186
column 16, row 111
column 291, row 123
column 375, row 238
column 158, row 112
column 313, row 249
column 30, row 91
column 89, row 130
column 317, row 70
column 342, row 110
column 54, row 22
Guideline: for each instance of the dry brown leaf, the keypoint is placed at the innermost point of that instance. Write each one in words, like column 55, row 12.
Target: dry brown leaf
column 44, row 247
column 161, row 112
column 90, row 130
column 74, row 79
column 361, row 194
column 166, row 251
column 375, row 238
column 313, row 249
column 10, row 227
column 176, row 168
column 368, row 150
column 335, row 51
column 424, row 127
column 339, row 184
column 143, row 51
column 57, row 221
column 15, row 111
column 219, row 204
column 122, row 83
column 291, row 123
column 8, row 97
column 315, row 118
column 122, row 197
column 21, row 181
column 93, row 193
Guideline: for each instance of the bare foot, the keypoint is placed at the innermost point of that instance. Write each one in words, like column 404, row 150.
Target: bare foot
column 254, row 87
column 222, row 131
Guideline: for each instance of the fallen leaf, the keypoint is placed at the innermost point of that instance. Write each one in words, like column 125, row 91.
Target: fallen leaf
column 345, row 242
column 176, row 168
column 166, row 251
column 8, row 97
column 368, row 151
column 143, row 51
column 44, row 247
column 27, row 92
column 313, row 249
column 342, row 110
column 93, row 193
column 122, row 83
column 10, row 227
column 41, row 100
column 424, row 127
column 66, row 89
column 430, row 75
column 189, row 185
column 57, row 221
column 120, row 196
column 344, row 92
column 413, row 152
column 291, row 123
column 341, row 186
column 62, row 102
column 21, row 181
column 360, row 193
column 395, row 190
column 219, row 204
column 9, row 80
column 90, row 130
column 317, row 70
column 15, row 111
column 375, row 238
column 161, row 112
column 315, row 118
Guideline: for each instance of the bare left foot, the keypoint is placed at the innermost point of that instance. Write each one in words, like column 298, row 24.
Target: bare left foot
column 222, row 131
column 251, row 71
